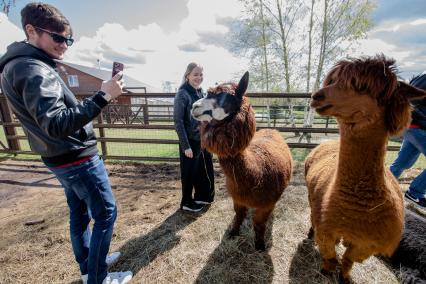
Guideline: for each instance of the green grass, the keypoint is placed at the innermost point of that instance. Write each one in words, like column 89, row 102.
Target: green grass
column 147, row 150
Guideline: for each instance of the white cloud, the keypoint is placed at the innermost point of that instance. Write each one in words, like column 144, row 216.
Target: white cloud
column 418, row 22
column 9, row 33
column 404, row 59
column 152, row 55
column 371, row 47
column 159, row 53
column 402, row 40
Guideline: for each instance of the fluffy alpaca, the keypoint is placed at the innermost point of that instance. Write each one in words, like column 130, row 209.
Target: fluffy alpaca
column 411, row 252
column 257, row 165
column 352, row 195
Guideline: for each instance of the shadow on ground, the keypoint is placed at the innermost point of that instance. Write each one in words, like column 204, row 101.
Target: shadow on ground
column 305, row 265
column 232, row 254
column 139, row 252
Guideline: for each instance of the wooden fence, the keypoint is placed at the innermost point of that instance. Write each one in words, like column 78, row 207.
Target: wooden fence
column 154, row 112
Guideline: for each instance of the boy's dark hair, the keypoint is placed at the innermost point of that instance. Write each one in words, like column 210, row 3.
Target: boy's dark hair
column 44, row 16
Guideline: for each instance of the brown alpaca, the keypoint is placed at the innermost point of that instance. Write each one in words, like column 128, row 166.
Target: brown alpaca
column 257, row 165
column 352, row 195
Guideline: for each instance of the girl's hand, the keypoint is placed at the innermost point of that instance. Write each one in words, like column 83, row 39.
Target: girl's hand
column 188, row 153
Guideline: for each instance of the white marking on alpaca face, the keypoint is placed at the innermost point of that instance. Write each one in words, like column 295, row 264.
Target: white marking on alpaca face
column 208, row 109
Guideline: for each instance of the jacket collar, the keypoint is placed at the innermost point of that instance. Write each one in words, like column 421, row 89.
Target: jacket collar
column 24, row 49
column 191, row 90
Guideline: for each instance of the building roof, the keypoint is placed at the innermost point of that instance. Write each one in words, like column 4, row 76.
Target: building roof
column 105, row 75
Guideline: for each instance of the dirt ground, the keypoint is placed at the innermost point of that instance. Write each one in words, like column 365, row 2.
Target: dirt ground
column 159, row 243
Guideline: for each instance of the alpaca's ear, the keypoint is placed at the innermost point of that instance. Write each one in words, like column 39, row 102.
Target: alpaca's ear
column 242, row 85
column 398, row 111
column 409, row 91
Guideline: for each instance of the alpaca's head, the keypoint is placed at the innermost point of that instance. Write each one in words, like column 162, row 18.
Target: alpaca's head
column 364, row 91
column 222, row 102
column 228, row 120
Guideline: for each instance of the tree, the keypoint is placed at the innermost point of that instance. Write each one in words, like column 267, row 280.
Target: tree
column 168, row 86
column 264, row 43
column 301, row 38
column 5, row 5
column 253, row 40
column 343, row 23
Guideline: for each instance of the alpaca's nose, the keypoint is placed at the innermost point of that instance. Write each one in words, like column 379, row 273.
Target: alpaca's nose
column 194, row 107
column 318, row 96
column 197, row 104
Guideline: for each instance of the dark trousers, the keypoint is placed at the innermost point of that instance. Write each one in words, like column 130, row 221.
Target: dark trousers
column 196, row 173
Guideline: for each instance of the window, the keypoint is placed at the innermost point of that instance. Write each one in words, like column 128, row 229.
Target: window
column 73, row 80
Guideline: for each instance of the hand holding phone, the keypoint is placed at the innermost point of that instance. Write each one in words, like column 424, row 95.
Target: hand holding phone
column 117, row 67
column 114, row 86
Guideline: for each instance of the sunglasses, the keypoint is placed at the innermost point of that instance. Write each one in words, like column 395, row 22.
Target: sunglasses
column 58, row 38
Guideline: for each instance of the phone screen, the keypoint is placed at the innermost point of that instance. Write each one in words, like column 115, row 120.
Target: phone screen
column 117, row 67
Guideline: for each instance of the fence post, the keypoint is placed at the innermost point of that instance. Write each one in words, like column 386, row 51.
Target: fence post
column 268, row 111
column 102, row 135
column 6, row 117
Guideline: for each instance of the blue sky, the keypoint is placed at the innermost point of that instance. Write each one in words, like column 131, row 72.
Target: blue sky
column 156, row 39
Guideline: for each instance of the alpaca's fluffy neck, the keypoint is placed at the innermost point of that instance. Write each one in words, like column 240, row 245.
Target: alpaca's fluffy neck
column 361, row 156
column 232, row 164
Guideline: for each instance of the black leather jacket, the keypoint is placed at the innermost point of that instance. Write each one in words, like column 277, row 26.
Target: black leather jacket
column 58, row 127
column 186, row 126
column 418, row 114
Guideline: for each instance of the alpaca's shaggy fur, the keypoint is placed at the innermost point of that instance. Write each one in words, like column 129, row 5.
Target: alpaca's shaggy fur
column 352, row 195
column 257, row 165
column 411, row 251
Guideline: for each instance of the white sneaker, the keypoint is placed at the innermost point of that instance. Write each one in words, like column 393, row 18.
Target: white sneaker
column 112, row 258
column 113, row 277
column 121, row 277
column 110, row 261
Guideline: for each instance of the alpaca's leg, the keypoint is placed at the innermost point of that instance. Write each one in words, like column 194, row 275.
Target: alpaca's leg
column 326, row 245
column 260, row 219
column 311, row 233
column 351, row 255
column 240, row 214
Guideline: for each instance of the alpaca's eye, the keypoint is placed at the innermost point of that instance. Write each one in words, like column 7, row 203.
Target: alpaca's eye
column 328, row 82
column 361, row 88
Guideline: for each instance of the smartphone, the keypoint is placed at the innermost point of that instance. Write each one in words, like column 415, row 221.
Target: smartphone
column 117, row 67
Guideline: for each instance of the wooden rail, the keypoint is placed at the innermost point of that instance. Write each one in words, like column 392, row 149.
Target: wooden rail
column 152, row 116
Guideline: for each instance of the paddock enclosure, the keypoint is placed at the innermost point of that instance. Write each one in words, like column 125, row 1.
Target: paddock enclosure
column 140, row 127
column 159, row 243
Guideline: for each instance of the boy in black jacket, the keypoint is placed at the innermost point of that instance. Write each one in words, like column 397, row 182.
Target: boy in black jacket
column 59, row 128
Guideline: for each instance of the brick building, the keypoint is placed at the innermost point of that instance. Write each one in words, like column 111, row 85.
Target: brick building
column 86, row 80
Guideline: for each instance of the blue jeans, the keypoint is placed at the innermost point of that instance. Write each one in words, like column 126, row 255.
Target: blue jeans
column 89, row 195
column 413, row 145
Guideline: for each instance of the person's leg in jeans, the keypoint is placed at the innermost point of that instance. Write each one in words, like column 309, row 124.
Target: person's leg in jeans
column 407, row 156
column 89, row 182
column 417, row 137
column 80, row 233
column 101, row 203
column 79, row 216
